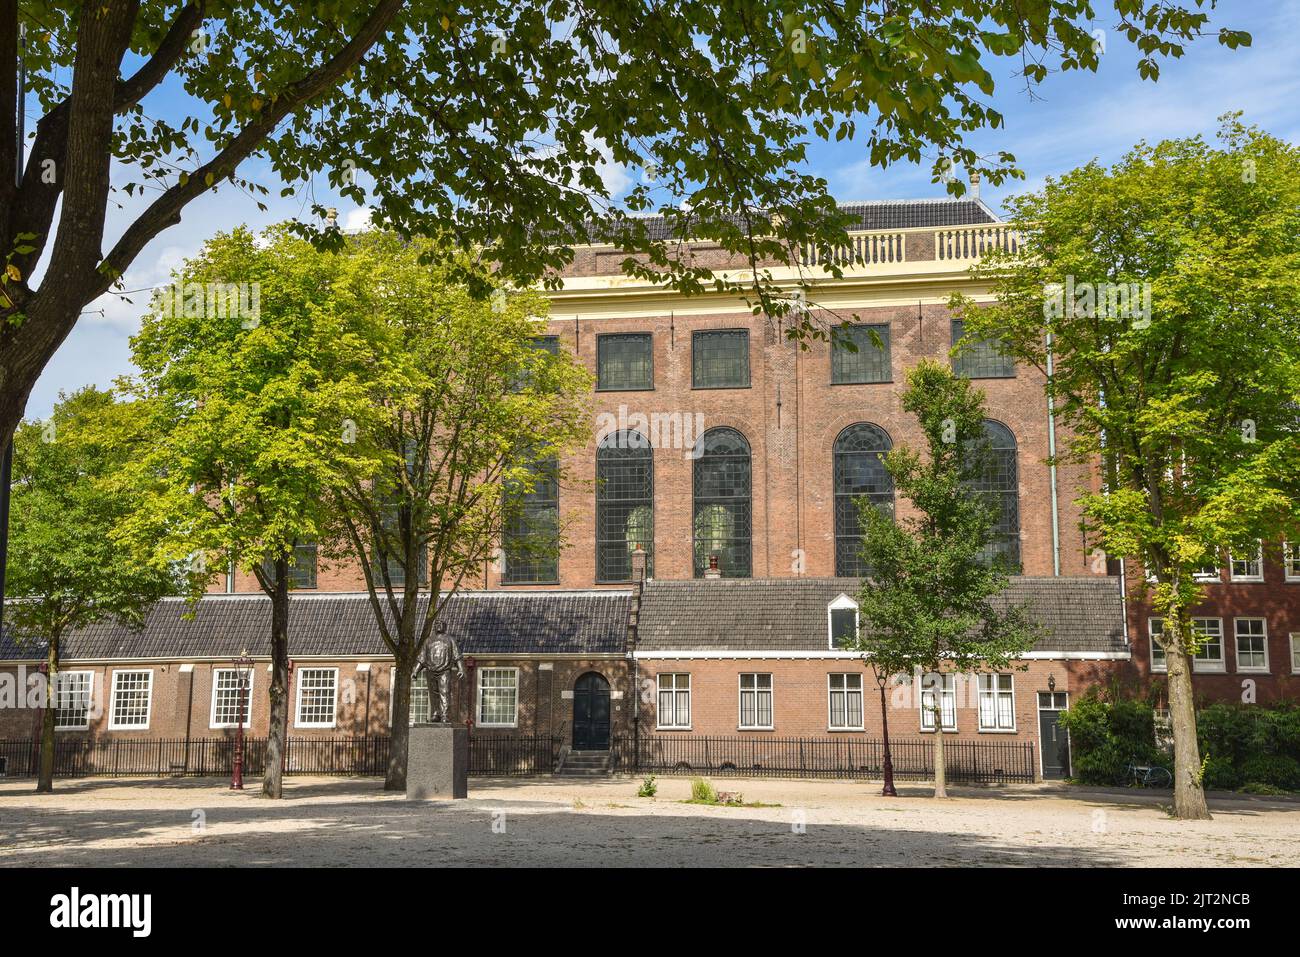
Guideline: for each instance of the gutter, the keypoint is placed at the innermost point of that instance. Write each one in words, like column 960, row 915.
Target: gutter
column 1051, row 453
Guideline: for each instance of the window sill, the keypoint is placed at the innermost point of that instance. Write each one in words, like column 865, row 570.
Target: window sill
column 77, row 727
column 1254, row 671
column 506, row 584
column 635, row 388
column 999, row 730
column 843, row 730
column 1246, row 581
column 314, row 727
column 714, row 388
column 743, row 728
column 673, row 728
column 481, row 724
column 867, row 382
column 128, row 727
column 1206, row 670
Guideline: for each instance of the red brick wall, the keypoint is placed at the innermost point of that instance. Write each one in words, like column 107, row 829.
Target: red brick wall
column 1275, row 599
column 791, row 445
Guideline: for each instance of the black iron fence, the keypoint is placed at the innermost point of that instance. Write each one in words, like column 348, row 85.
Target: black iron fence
column 983, row 762
column 988, row 762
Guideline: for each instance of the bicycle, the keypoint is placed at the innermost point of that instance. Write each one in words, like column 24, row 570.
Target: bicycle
column 1147, row 776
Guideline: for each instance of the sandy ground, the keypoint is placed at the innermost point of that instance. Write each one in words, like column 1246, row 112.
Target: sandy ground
column 353, row 822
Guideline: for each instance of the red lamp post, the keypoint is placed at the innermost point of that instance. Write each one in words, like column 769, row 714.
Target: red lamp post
column 243, row 665
column 469, row 707
column 888, row 766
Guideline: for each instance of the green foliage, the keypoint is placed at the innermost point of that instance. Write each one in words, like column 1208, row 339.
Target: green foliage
column 73, row 491
column 1107, row 736
column 1275, row 770
column 649, row 788
column 1241, row 743
column 703, row 791
column 933, row 600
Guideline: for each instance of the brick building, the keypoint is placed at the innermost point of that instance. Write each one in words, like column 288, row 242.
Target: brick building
column 728, row 460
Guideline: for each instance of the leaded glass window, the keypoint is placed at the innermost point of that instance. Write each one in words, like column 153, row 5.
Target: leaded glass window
column 625, row 361
column 720, row 360
column 302, row 569
column 860, row 476
column 532, row 536
column 999, row 481
column 722, row 515
column 980, row 358
column 870, row 363
column 624, row 504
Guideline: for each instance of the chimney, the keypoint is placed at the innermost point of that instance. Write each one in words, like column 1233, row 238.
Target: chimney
column 634, row 611
column 713, row 571
column 638, row 564
column 974, row 184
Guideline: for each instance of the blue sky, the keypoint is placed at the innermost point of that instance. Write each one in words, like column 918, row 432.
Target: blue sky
column 1074, row 118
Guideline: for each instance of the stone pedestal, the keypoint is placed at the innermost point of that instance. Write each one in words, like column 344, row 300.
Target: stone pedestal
column 437, row 766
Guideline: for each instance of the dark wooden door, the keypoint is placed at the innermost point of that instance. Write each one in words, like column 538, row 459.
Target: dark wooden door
column 591, row 713
column 1053, row 740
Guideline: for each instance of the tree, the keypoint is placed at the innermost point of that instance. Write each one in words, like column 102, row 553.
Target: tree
column 934, row 603
column 69, row 499
column 492, row 123
column 1163, row 292
column 258, row 384
column 478, row 416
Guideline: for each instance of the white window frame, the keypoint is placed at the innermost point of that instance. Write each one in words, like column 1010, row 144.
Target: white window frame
column 675, row 691
column 1295, row 652
column 757, row 692
column 1162, row 665
column 997, row 693
column 1291, row 561
column 1236, row 645
column 299, row 683
column 842, row 603
column 1217, row 665
column 416, row 682
column 251, row 673
column 1257, row 561
column 1204, row 576
column 478, row 698
column 860, row 691
column 947, row 687
column 113, row 723
column 90, row 698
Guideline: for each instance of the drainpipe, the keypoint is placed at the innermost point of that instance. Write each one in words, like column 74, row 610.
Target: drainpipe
column 1051, row 452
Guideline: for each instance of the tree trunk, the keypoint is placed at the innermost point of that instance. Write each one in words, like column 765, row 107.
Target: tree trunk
column 399, row 739
column 940, row 771
column 45, row 775
column 278, row 732
column 1189, row 792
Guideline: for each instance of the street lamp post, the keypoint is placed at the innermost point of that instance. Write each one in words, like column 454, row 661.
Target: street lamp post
column 888, row 764
column 243, row 664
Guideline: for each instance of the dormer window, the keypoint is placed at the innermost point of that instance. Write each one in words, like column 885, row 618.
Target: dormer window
column 842, row 622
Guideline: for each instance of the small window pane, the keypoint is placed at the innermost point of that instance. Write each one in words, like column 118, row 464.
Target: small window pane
column 625, row 361
column 720, row 360
column 980, row 359
column 870, row 363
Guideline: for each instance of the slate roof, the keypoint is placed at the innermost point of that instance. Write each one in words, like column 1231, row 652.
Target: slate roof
column 483, row 623
column 1081, row 615
column 882, row 214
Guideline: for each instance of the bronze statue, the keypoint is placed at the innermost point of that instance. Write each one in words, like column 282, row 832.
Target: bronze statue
column 439, row 657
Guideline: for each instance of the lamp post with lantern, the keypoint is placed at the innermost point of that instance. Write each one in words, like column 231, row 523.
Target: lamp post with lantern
column 243, row 665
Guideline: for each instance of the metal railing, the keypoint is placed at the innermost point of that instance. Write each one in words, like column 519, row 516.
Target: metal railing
column 513, row 755
column 984, row 762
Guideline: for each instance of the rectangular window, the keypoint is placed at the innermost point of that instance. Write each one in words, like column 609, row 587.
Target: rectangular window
column 1252, row 644
column 844, row 627
column 419, row 707
column 625, row 362
column 997, row 703
column 1156, row 628
column 756, row 701
column 498, row 697
column 72, row 691
column 946, row 685
column 980, row 359
column 720, row 360
column 1291, row 560
column 868, row 363
column 674, row 701
column 317, row 697
column 1209, row 632
column 302, row 570
column 531, row 540
column 845, row 702
column 226, row 710
column 1295, row 652
column 132, row 695
column 1207, row 573
column 1250, row 568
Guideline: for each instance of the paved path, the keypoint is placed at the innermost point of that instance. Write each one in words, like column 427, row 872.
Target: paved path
column 352, row 821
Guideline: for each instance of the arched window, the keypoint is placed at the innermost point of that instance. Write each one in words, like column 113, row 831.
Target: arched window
column 860, row 475
column 722, row 519
column 624, row 504
column 999, row 479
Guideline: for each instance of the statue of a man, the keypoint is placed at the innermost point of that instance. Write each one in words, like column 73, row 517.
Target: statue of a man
column 439, row 657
